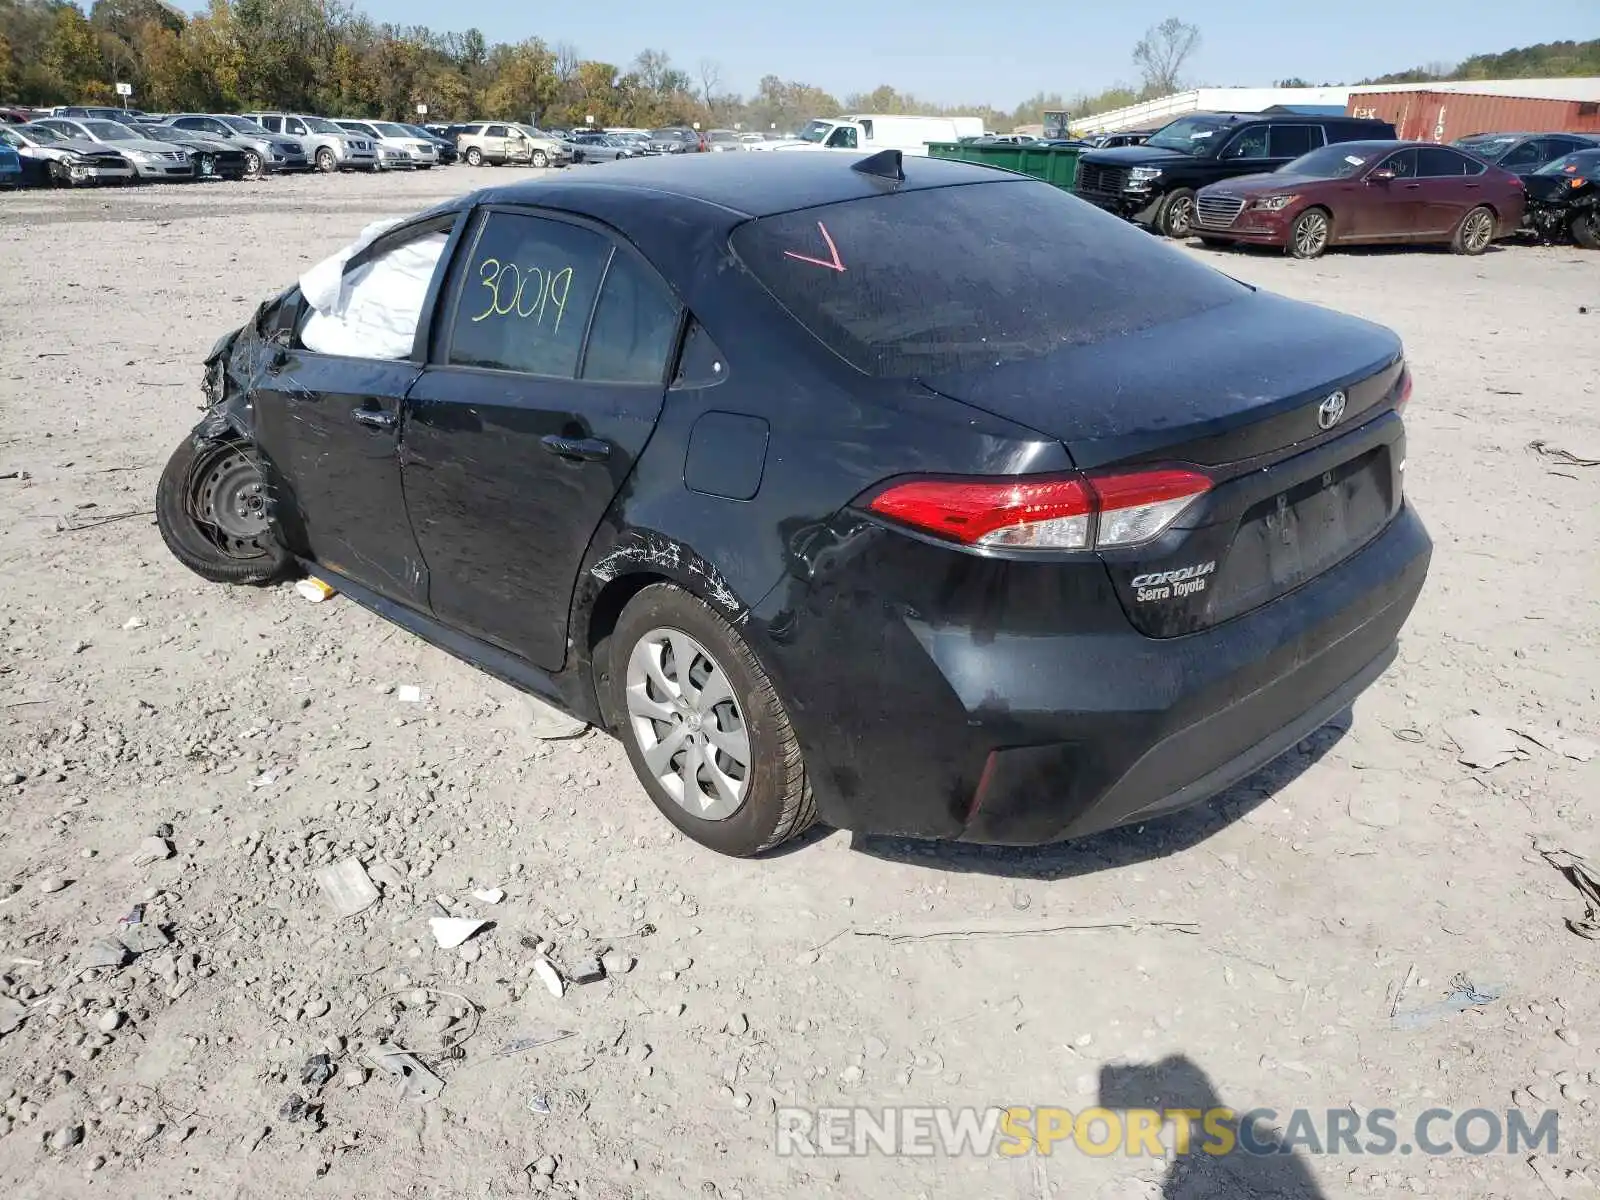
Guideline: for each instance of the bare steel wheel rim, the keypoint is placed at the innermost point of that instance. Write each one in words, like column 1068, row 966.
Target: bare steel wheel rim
column 688, row 724
column 230, row 502
column 1310, row 234
column 1476, row 234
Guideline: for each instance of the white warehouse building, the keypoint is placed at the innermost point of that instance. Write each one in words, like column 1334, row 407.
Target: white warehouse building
column 1152, row 114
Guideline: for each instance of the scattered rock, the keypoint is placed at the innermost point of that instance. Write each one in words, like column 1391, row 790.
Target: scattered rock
column 450, row 932
column 738, row 1025
column 52, row 883
column 490, row 895
column 549, row 976
column 617, row 963
column 545, row 1165
column 109, row 1021
column 65, row 1138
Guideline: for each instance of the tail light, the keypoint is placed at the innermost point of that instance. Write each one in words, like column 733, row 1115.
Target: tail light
column 1103, row 510
column 1402, row 389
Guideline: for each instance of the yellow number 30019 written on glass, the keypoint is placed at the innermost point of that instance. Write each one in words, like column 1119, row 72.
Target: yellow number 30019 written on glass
column 509, row 291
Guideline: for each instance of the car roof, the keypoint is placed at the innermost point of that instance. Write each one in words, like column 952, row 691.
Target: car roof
column 1282, row 118
column 751, row 186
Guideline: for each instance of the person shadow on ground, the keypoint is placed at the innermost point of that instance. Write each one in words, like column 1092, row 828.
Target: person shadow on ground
column 1271, row 1172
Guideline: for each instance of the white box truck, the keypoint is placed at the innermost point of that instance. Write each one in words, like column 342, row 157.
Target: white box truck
column 882, row 131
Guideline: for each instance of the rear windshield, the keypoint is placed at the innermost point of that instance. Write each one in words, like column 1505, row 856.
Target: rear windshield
column 926, row 282
column 1581, row 160
column 1491, row 148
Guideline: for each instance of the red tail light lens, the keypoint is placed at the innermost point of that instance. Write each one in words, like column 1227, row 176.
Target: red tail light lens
column 1076, row 512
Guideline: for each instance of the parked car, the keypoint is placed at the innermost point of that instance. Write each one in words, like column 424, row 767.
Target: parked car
column 723, row 139
column 1523, row 153
column 329, row 147
column 638, row 488
column 501, row 142
column 676, row 139
column 1110, row 141
column 151, row 159
column 264, row 152
column 102, row 112
column 423, row 151
column 11, row 115
column 605, row 147
column 1564, row 198
column 1154, row 183
column 1366, row 192
column 49, row 158
column 10, row 165
column 444, row 148
column 214, row 158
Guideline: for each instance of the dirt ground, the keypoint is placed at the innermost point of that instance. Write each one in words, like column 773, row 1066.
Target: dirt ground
column 271, row 736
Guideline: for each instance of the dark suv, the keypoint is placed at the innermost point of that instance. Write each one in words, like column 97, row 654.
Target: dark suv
column 1154, row 184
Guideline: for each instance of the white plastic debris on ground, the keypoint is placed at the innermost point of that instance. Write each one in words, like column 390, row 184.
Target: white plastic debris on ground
column 372, row 311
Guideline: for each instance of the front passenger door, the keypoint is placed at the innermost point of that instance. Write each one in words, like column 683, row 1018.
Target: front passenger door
column 328, row 412
column 524, row 426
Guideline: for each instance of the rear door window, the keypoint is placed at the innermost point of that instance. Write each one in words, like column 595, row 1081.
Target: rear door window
column 525, row 296
column 935, row 280
column 497, row 131
column 1435, row 162
column 635, row 326
column 1291, row 141
column 1402, row 162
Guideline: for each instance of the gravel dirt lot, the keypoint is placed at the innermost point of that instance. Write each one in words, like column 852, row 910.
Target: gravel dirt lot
column 271, row 737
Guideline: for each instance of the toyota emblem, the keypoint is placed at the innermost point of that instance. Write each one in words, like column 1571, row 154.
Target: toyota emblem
column 1331, row 410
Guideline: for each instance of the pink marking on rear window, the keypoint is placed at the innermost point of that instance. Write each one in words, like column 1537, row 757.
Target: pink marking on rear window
column 834, row 264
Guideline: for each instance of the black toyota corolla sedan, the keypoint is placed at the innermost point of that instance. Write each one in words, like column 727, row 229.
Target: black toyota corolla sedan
column 910, row 496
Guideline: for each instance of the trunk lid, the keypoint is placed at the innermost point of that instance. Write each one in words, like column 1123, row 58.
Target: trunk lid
column 1297, row 487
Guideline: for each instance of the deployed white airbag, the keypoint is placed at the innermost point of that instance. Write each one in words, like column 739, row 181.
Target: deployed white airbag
column 372, row 311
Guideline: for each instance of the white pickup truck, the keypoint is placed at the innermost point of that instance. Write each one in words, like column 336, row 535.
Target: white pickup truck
column 879, row 131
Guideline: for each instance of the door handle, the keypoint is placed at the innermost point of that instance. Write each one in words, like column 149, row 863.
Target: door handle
column 580, row 449
column 374, row 418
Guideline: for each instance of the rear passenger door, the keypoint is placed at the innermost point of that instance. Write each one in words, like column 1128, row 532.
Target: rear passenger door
column 1447, row 190
column 1285, row 143
column 546, row 377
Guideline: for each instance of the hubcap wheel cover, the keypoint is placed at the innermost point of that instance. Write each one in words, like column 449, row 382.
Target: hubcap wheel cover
column 688, row 724
column 1477, row 233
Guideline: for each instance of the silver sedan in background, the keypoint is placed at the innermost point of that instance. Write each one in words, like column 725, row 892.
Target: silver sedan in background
column 151, row 159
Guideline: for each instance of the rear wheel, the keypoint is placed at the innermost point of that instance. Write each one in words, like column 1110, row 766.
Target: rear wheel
column 326, row 163
column 474, row 157
column 540, row 159
column 211, row 508
column 1585, row 230
column 703, row 726
column 1308, row 236
column 1475, row 232
column 252, row 165
column 1176, row 219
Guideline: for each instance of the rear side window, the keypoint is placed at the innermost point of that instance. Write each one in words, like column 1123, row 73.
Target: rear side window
column 497, row 131
column 936, row 280
column 635, row 326
column 526, row 295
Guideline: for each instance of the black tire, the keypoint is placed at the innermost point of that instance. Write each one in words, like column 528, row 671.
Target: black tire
column 1473, row 236
column 474, row 157
column 252, row 165
column 539, row 159
column 186, row 489
column 1176, row 218
column 1310, row 234
column 326, row 162
column 777, row 803
column 1585, row 229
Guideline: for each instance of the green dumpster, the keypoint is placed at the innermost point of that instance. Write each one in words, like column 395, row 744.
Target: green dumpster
column 1057, row 165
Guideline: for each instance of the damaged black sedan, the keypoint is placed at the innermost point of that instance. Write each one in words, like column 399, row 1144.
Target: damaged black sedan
column 903, row 495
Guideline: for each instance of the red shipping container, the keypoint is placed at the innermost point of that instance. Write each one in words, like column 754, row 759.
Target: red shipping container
column 1445, row 116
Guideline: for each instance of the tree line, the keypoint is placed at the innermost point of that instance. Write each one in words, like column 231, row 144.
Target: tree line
column 326, row 56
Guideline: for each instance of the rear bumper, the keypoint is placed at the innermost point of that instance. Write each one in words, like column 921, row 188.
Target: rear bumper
column 959, row 731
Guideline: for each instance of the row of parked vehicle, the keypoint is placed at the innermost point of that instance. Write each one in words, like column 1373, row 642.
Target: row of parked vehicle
column 1307, row 183
column 499, row 143
column 78, row 145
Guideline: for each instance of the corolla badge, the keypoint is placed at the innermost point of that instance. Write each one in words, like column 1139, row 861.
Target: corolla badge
column 1331, row 411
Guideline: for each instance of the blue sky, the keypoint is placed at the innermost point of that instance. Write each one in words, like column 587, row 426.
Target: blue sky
column 1002, row 51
